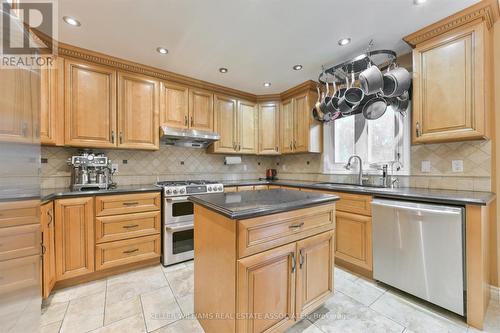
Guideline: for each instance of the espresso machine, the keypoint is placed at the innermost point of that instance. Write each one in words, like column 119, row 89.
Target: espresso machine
column 90, row 171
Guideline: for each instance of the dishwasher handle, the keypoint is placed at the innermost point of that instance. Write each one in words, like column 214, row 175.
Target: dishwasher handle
column 417, row 207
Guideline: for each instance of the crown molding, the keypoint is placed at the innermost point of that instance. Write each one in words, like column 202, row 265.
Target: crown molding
column 303, row 87
column 486, row 10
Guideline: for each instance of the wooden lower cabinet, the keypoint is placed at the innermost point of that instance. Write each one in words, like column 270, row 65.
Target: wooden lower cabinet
column 266, row 290
column 74, row 237
column 315, row 272
column 49, row 253
column 354, row 243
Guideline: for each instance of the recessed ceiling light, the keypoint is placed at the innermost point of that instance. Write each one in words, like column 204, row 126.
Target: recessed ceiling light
column 344, row 41
column 297, row 67
column 418, row 2
column 223, row 70
column 267, row 84
column 72, row 21
column 162, row 50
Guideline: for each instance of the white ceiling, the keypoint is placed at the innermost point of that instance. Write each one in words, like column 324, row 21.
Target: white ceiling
column 257, row 40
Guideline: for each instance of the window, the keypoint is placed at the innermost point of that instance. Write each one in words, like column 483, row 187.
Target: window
column 377, row 142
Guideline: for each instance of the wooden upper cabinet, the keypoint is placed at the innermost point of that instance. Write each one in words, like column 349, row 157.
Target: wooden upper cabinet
column 266, row 285
column 302, row 112
column 269, row 128
column 90, row 105
column 247, row 127
column 74, row 237
column 451, row 86
column 51, row 103
column 287, row 126
column 18, row 107
column 201, row 110
column 315, row 272
column 174, row 105
column 48, row 242
column 138, row 112
column 225, row 124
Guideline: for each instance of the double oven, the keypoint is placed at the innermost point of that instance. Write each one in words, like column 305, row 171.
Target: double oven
column 178, row 218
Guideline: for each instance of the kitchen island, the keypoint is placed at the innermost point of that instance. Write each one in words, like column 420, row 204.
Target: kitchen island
column 263, row 259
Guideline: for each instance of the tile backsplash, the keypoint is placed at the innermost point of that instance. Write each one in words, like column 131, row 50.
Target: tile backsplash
column 145, row 167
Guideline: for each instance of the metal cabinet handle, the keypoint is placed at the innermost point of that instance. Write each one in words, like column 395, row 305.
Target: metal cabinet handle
column 239, row 146
column 276, row 148
column 192, row 121
column 44, row 249
column 417, row 129
column 185, row 120
column 24, row 129
column 130, row 203
column 301, row 258
column 130, row 226
column 296, row 226
column 294, row 263
column 112, row 136
column 121, row 138
column 294, row 144
column 130, row 251
column 49, row 214
column 291, row 147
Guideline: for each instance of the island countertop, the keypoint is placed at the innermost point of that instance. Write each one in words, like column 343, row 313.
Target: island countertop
column 249, row 204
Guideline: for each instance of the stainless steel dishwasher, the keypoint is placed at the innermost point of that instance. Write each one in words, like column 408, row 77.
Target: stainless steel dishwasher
column 419, row 248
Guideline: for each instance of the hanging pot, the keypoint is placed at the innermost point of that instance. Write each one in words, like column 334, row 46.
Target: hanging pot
column 375, row 108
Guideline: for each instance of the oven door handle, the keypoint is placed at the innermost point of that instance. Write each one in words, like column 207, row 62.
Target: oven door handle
column 181, row 227
column 176, row 199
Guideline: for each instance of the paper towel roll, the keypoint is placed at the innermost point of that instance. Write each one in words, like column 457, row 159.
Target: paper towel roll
column 232, row 160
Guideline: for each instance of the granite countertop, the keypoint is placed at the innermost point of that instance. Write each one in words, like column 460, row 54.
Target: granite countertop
column 409, row 193
column 57, row 193
column 249, row 204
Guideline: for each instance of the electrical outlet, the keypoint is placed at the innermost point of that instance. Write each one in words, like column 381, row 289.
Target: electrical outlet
column 114, row 167
column 457, row 166
column 426, row 166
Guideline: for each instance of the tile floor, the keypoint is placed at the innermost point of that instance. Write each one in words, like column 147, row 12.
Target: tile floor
column 160, row 300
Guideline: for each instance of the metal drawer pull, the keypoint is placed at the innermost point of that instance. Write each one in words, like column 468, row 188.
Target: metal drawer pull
column 301, row 258
column 130, row 226
column 130, row 203
column 130, row 251
column 295, row 226
column 294, row 263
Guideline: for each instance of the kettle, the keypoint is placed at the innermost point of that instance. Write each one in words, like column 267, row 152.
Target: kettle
column 271, row 174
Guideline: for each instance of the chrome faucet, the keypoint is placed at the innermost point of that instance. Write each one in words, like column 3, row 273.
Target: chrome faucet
column 360, row 174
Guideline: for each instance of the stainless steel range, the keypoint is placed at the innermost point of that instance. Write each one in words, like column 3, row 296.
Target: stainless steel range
column 178, row 218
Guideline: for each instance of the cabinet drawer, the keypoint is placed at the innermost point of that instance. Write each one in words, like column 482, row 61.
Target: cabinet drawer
column 19, row 213
column 19, row 273
column 127, row 251
column 19, row 241
column 127, row 203
column 261, row 187
column 118, row 227
column 354, row 203
column 262, row 233
column 231, row 189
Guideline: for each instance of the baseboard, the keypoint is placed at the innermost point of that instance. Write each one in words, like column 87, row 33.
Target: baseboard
column 494, row 294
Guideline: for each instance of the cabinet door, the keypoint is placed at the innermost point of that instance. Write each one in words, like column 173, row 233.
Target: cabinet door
column 247, row 127
column 48, row 106
column 315, row 271
column 90, row 105
column 74, row 237
column 48, row 241
column 266, row 290
column 449, row 88
column 174, row 105
column 138, row 111
column 287, row 125
column 269, row 128
column 201, row 110
column 16, row 109
column 354, row 239
column 225, row 124
column 301, row 123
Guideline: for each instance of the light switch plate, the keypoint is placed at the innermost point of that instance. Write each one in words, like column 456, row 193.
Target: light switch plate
column 426, row 166
column 457, row 166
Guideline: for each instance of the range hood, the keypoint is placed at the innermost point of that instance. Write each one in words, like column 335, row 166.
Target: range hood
column 187, row 137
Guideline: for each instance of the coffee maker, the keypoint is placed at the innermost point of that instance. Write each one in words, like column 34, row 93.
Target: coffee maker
column 90, row 171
